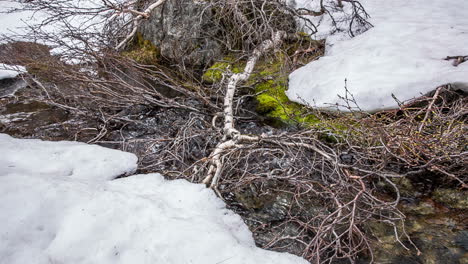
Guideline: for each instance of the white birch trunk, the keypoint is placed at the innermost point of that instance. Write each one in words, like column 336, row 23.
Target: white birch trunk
column 231, row 135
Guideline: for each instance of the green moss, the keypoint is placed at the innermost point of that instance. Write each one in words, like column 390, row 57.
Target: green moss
column 304, row 35
column 215, row 72
column 266, row 103
column 270, row 82
column 270, row 85
column 143, row 51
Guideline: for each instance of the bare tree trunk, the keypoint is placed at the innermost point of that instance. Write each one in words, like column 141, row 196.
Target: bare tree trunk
column 231, row 134
column 229, row 130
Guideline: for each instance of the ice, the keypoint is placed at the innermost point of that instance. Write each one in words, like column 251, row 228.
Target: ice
column 403, row 54
column 58, row 204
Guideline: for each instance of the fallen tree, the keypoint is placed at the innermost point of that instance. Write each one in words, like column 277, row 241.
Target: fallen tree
column 348, row 163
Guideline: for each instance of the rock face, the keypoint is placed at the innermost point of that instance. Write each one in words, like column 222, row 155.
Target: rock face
column 184, row 32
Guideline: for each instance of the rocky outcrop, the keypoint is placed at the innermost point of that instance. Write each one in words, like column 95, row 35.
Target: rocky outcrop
column 184, row 32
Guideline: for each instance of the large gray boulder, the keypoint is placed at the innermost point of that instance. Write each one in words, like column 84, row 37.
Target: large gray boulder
column 184, row 32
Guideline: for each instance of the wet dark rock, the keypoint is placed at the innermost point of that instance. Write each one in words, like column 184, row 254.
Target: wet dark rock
column 440, row 232
column 33, row 119
column 347, row 158
column 266, row 208
column 27, row 115
column 435, row 236
column 9, row 86
column 423, row 207
column 461, row 239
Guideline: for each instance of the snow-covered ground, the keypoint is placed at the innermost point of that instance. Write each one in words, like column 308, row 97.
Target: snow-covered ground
column 14, row 22
column 18, row 22
column 16, row 25
column 59, row 204
column 83, row 18
column 8, row 24
column 403, row 54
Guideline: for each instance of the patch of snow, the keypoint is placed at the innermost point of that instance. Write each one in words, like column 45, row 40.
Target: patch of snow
column 74, row 160
column 402, row 55
column 56, row 206
column 10, row 71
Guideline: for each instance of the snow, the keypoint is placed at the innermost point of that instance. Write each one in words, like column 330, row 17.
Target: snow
column 8, row 24
column 10, row 71
column 17, row 25
column 13, row 21
column 71, row 159
column 403, row 54
column 18, row 21
column 58, row 204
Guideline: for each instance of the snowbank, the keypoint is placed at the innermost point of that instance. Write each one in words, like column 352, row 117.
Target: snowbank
column 402, row 55
column 57, row 207
column 10, row 71
column 74, row 160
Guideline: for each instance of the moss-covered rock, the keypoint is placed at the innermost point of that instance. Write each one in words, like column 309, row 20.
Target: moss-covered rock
column 423, row 207
column 269, row 81
column 270, row 84
column 143, row 51
column 451, row 197
column 215, row 72
column 439, row 237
